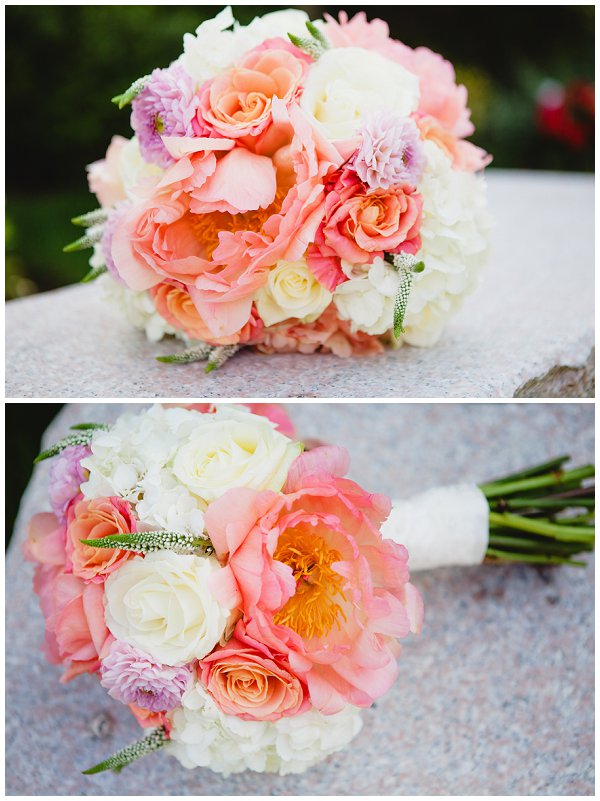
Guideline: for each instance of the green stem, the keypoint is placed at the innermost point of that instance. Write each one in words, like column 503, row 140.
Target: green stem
column 530, row 558
column 500, row 489
column 543, row 527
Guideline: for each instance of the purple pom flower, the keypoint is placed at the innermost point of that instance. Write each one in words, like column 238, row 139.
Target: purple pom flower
column 130, row 676
column 391, row 151
column 66, row 476
column 166, row 106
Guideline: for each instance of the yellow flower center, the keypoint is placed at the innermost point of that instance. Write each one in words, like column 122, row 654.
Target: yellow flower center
column 315, row 607
column 206, row 227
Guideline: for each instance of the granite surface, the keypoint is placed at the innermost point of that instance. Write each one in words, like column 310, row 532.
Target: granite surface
column 494, row 698
column 533, row 312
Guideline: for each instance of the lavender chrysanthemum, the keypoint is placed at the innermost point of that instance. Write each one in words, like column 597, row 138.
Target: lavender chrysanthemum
column 166, row 106
column 66, row 476
column 390, row 152
column 130, row 676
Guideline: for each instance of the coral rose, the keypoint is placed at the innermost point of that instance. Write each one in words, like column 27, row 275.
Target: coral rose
column 361, row 224
column 318, row 582
column 239, row 102
column 91, row 520
column 247, row 680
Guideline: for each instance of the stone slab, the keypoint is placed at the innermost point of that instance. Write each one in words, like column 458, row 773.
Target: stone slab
column 494, row 698
column 533, row 312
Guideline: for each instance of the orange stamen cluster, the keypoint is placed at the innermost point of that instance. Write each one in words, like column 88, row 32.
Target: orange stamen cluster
column 314, row 608
column 206, row 227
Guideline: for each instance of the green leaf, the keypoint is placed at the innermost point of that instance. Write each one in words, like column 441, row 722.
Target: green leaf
column 147, row 745
column 128, row 95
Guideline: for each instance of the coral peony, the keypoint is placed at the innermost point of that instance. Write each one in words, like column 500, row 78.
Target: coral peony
column 318, row 583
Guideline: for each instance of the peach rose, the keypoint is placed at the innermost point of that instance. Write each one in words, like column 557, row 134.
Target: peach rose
column 362, row 224
column 91, row 520
column 465, row 155
column 175, row 304
column 239, row 102
column 248, row 681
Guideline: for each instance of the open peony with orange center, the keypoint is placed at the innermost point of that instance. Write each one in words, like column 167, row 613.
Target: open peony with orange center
column 317, row 582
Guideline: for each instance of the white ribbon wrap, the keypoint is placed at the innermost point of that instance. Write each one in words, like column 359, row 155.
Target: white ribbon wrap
column 442, row 527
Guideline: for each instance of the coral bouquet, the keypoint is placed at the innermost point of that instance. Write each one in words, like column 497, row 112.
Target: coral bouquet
column 233, row 590
column 291, row 186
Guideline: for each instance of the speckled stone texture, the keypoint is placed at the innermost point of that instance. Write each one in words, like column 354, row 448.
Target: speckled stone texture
column 533, row 312
column 495, row 697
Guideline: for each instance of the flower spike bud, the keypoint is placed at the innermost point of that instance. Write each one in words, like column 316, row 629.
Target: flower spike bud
column 80, row 438
column 407, row 265
column 130, row 94
column 196, row 354
column 147, row 745
column 219, row 356
column 94, row 273
column 90, row 218
column 144, row 542
column 314, row 46
column 91, row 237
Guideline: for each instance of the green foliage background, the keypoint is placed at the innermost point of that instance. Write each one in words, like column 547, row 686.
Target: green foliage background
column 64, row 63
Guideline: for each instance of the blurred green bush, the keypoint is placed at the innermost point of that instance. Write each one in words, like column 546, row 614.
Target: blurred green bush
column 64, row 63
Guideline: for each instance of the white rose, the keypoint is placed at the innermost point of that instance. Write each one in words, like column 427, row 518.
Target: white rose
column 163, row 605
column 367, row 301
column 203, row 736
column 292, row 291
column 234, row 448
column 348, row 83
column 214, row 49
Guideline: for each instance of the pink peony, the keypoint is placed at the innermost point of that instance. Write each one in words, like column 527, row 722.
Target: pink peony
column 46, row 540
column 328, row 334
column 465, row 155
column 76, row 634
column 238, row 103
column 249, row 681
column 318, row 583
column 91, row 520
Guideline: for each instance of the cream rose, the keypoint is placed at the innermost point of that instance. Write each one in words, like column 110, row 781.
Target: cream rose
column 292, row 291
column 348, row 83
column 234, row 448
column 162, row 604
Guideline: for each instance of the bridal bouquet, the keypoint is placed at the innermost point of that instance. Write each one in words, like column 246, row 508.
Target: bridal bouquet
column 291, row 186
column 241, row 596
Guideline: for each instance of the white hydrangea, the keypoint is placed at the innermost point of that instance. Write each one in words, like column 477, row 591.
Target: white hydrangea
column 202, row 736
column 136, row 307
column 367, row 298
column 130, row 461
column 455, row 234
column 214, row 48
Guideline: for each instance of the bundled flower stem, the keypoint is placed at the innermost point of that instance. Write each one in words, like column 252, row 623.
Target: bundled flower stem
column 542, row 515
